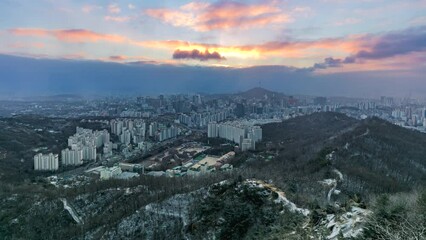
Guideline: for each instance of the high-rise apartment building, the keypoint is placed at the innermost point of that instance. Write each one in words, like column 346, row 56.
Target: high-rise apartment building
column 46, row 162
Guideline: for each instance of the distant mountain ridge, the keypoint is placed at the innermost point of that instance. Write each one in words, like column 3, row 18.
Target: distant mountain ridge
column 58, row 97
column 259, row 92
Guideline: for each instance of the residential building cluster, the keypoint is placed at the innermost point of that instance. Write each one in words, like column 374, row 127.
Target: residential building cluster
column 129, row 130
column 144, row 124
column 367, row 105
column 145, row 146
column 246, row 136
column 72, row 156
column 133, row 131
column 410, row 116
column 46, row 162
column 162, row 132
column 83, row 146
column 202, row 119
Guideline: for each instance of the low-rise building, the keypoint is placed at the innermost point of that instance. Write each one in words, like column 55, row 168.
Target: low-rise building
column 108, row 173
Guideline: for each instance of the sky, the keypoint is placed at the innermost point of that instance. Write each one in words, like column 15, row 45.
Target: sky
column 307, row 41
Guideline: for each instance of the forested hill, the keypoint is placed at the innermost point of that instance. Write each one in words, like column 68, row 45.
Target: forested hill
column 373, row 155
column 312, row 177
column 382, row 157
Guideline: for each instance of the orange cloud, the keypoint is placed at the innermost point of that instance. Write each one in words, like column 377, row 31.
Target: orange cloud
column 71, row 56
column 338, row 47
column 228, row 51
column 296, row 49
column 310, row 51
column 69, row 35
column 222, row 15
column 138, row 60
column 27, row 45
column 29, row 32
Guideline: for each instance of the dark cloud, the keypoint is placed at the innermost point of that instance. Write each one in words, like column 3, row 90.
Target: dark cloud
column 53, row 76
column 196, row 54
column 332, row 62
column 395, row 43
column 329, row 62
column 117, row 58
column 380, row 47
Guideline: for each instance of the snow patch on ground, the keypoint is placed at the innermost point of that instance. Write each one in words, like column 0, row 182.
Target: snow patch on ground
column 346, row 147
column 176, row 206
column 71, row 211
column 350, row 224
column 328, row 182
column 281, row 197
column 339, row 174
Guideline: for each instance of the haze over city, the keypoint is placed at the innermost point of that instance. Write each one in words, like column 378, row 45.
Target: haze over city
column 328, row 47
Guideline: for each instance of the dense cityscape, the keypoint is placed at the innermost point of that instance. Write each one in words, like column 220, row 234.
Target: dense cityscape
column 87, row 142
column 137, row 127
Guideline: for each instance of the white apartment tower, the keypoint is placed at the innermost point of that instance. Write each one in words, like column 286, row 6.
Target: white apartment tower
column 46, row 162
column 246, row 136
column 72, row 157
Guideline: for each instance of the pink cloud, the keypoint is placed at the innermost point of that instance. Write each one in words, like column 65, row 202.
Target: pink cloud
column 222, row 15
column 174, row 17
column 135, row 60
column 69, row 35
column 345, row 51
column 19, row 45
column 195, row 6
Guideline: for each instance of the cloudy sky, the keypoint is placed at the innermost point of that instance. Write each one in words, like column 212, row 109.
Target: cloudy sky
column 312, row 38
